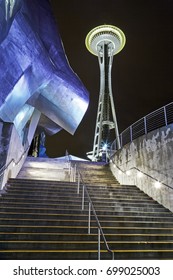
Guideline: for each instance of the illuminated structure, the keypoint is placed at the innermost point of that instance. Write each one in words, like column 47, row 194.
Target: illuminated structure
column 104, row 41
column 39, row 91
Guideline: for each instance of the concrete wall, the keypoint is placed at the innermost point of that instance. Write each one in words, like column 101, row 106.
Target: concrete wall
column 152, row 154
column 12, row 152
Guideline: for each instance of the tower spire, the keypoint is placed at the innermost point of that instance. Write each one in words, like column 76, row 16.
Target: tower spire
column 105, row 41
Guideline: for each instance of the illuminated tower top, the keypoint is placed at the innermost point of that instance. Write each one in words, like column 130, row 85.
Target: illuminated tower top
column 109, row 34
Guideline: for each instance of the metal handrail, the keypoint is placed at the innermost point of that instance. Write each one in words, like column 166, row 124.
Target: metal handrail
column 158, row 118
column 100, row 230
column 5, row 166
column 98, row 223
column 166, row 185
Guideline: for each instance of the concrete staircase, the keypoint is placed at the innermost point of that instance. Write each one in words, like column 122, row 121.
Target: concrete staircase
column 42, row 219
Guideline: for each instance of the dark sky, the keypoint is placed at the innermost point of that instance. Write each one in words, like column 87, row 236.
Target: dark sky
column 142, row 79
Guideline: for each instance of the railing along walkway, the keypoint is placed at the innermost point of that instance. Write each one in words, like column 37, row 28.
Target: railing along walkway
column 158, row 118
column 76, row 174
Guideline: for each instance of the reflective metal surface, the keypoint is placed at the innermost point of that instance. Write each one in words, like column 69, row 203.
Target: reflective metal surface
column 34, row 71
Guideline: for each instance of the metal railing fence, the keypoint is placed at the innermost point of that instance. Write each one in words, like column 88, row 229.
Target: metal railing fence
column 158, row 118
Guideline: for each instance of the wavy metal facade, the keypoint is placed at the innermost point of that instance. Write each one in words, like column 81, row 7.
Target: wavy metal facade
column 35, row 76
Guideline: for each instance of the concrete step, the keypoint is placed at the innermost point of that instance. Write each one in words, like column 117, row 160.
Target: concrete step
column 35, row 182
column 82, row 222
column 54, row 210
column 84, row 229
column 85, row 254
column 78, row 201
column 41, row 187
column 47, row 193
column 84, row 215
column 68, row 191
column 77, row 206
column 24, row 198
column 73, row 196
column 43, row 204
column 43, row 236
column 132, row 203
column 42, row 210
column 112, row 187
column 116, row 191
column 126, row 198
column 143, row 209
column 82, row 245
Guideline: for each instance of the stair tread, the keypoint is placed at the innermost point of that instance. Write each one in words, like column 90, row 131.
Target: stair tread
column 82, row 226
column 87, row 242
column 86, row 250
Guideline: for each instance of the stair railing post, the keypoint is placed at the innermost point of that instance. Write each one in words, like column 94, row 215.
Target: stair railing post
column 78, row 183
column 83, row 197
column 98, row 243
column 89, row 218
column 74, row 174
column 69, row 169
column 71, row 173
column 165, row 115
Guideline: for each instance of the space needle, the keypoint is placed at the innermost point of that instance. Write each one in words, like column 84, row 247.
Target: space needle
column 105, row 41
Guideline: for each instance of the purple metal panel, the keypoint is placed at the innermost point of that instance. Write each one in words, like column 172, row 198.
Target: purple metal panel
column 34, row 69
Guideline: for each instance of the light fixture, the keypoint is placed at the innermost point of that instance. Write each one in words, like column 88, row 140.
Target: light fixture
column 157, row 184
column 105, row 147
column 139, row 174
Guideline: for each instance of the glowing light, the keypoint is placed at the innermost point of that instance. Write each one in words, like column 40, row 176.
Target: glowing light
column 157, row 185
column 139, row 174
column 120, row 172
column 128, row 173
column 105, row 147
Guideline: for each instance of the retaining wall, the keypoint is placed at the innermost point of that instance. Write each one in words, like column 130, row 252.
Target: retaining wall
column 152, row 154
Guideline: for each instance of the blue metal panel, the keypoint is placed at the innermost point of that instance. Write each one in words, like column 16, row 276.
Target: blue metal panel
column 34, row 69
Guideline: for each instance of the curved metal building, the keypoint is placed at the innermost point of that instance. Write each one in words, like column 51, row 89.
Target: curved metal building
column 34, row 71
column 38, row 88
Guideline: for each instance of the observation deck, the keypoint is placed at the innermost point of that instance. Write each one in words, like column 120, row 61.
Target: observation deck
column 109, row 34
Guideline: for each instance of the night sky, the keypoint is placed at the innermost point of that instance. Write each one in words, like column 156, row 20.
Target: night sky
column 142, row 79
